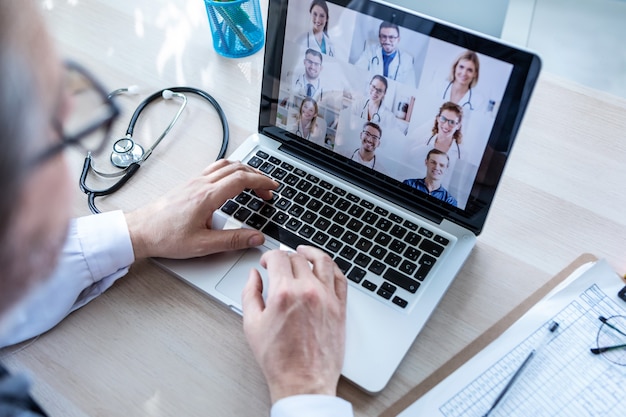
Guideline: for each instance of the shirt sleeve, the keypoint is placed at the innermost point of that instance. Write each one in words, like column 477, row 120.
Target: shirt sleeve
column 312, row 406
column 97, row 252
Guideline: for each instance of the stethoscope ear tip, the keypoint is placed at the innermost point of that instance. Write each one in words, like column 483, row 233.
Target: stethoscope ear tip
column 132, row 89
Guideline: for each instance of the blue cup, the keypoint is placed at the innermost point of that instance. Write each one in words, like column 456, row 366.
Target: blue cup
column 236, row 26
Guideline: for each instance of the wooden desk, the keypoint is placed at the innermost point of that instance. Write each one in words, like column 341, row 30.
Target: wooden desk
column 153, row 346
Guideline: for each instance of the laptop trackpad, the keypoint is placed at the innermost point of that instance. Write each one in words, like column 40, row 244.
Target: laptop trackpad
column 231, row 285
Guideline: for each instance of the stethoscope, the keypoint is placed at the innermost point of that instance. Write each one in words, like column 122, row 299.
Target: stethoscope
column 375, row 57
column 375, row 117
column 458, row 148
column 373, row 159
column 468, row 102
column 301, row 80
column 308, row 44
column 129, row 155
column 299, row 132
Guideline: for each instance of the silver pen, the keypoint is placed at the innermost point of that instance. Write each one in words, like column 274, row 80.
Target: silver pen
column 553, row 326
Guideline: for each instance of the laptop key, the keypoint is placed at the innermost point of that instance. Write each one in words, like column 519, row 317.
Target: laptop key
column 308, row 217
column 401, row 280
column 242, row 214
column 399, row 301
column 280, row 217
column 255, row 204
column 230, row 207
column 255, row 162
column 369, row 285
column 354, row 225
column 243, row 198
column 322, row 223
column 368, row 232
column 377, row 267
column 383, row 212
column 334, row 245
column 348, row 252
column 398, row 231
column 316, row 191
column 356, row 274
column 388, row 287
column 384, row 293
column 397, row 246
column 382, row 238
column 383, row 224
column 320, row 238
column 306, row 231
column 431, row 247
column 393, row 260
column 425, row 232
column 293, row 224
column 442, row 240
column 343, row 265
column 262, row 154
column 256, row 221
column 350, row 237
column 364, row 244
column 279, row 174
column 378, row 252
column 362, row 260
column 407, row 267
column 412, row 239
column 267, row 168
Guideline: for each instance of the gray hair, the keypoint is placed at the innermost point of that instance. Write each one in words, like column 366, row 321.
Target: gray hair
column 23, row 116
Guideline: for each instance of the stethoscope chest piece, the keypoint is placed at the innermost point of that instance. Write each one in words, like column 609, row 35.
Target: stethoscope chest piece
column 125, row 152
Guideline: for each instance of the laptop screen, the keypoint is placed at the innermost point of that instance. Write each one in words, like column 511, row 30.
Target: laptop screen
column 406, row 107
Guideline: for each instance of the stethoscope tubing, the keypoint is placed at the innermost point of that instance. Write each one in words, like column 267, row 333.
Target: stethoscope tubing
column 375, row 57
column 132, row 169
column 469, row 100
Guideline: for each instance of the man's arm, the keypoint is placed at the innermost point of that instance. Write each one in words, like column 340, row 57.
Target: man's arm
column 100, row 248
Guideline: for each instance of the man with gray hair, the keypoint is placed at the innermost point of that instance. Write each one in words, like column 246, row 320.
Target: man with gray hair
column 53, row 265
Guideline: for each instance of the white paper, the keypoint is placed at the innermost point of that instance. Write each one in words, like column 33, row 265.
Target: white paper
column 563, row 378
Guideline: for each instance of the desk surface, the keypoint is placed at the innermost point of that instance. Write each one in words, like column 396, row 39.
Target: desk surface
column 154, row 346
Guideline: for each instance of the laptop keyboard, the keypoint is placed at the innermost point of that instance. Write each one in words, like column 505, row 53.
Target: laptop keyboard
column 380, row 252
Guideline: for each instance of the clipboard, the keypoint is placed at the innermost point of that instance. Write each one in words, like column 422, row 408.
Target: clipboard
column 485, row 339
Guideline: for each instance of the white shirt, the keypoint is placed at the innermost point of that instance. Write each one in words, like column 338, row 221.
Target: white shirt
column 300, row 85
column 401, row 67
column 97, row 252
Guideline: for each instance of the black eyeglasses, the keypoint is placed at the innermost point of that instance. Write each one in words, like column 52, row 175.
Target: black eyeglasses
column 91, row 116
column 611, row 339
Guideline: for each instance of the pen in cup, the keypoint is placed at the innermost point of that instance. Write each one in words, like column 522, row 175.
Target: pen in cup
column 553, row 326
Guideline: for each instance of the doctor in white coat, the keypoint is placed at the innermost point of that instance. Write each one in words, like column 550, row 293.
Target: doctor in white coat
column 386, row 59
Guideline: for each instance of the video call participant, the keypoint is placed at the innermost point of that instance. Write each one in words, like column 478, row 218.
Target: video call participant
column 366, row 153
column 308, row 124
column 309, row 83
column 436, row 165
column 317, row 36
column 386, row 58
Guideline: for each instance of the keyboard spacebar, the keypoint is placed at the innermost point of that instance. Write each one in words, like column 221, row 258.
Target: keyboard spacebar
column 285, row 236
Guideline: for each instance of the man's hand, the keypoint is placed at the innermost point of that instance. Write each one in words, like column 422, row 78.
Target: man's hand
column 298, row 334
column 178, row 224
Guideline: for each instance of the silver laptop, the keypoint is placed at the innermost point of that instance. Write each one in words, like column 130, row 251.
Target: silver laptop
column 388, row 132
